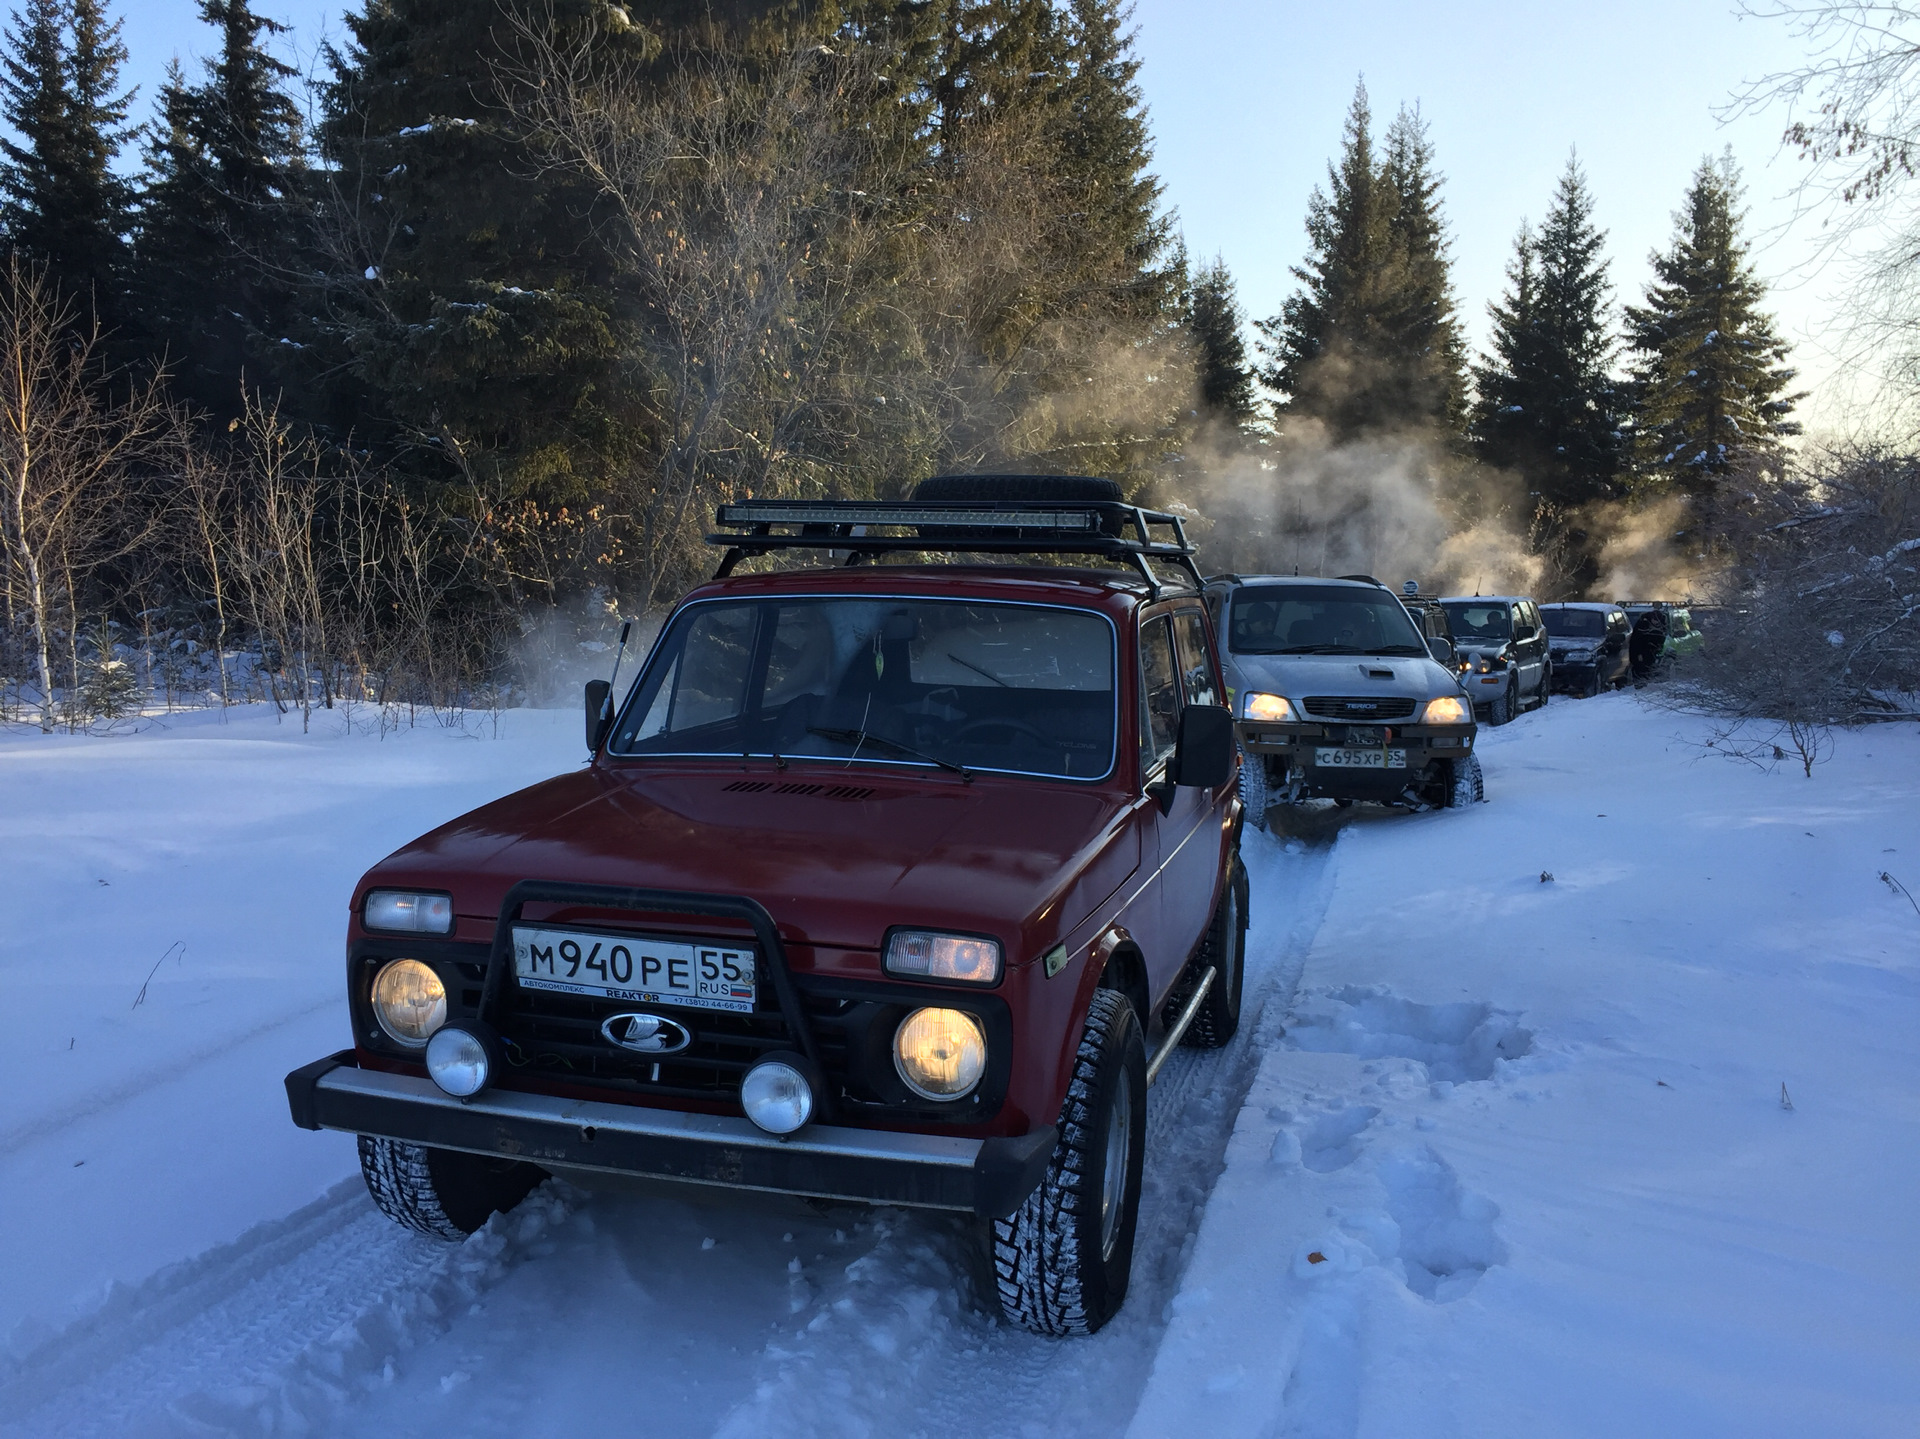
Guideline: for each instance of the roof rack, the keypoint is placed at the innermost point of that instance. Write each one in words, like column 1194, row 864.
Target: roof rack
column 867, row 529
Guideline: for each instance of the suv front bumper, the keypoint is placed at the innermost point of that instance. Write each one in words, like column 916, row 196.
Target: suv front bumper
column 986, row 1177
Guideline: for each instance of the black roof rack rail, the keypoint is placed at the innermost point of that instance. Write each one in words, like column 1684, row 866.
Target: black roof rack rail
column 867, row 529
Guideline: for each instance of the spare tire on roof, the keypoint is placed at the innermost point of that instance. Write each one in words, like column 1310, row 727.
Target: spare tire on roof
column 1016, row 489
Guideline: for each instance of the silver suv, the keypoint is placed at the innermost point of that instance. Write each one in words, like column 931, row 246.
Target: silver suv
column 1501, row 649
column 1337, row 695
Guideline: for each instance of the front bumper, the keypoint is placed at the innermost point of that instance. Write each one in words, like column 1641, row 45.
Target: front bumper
column 1295, row 745
column 986, row 1177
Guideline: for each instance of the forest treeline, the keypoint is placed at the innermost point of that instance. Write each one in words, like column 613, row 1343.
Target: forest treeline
column 347, row 385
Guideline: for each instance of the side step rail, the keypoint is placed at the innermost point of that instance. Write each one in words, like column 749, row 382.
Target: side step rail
column 1178, row 1028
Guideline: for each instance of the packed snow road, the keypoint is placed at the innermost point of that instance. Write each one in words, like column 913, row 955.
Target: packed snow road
column 1492, row 1152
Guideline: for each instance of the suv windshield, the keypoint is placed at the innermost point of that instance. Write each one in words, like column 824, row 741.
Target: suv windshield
column 1025, row 689
column 1477, row 620
column 1575, row 624
column 1320, row 620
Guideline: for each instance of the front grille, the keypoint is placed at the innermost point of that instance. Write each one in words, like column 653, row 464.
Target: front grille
column 557, row 1036
column 1357, row 707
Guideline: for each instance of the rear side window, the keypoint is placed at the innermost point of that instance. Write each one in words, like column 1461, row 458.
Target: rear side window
column 1196, row 664
column 1159, row 693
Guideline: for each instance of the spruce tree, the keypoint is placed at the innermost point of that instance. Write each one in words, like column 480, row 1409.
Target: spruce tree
column 63, row 204
column 223, row 219
column 1214, row 318
column 1423, row 336
column 1710, row 378
column 1546, row 405
column 1370, row 343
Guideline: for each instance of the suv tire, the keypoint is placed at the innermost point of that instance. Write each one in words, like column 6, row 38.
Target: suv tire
column 1468, row 785
column 1503, row 708
column 1224, row 949
column 441, row 1192
column 1254, row 794
column 1061, row 1261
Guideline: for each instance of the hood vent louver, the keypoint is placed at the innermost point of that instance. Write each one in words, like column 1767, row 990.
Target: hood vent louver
column 816, row 791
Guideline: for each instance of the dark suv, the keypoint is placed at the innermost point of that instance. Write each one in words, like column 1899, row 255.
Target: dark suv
column 885, row 882
column 1589, row 646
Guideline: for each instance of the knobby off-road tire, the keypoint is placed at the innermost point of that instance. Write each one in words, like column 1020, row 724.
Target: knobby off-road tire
column 1254, row 794
column 441, row 1192
column 1062, row 1261
column 1501, row 710
column 1225, row 951
column 1469, row 787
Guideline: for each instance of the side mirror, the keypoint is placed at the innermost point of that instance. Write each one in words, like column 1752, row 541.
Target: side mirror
column 1203, row 754
column 599, row 713
column 1441, row 648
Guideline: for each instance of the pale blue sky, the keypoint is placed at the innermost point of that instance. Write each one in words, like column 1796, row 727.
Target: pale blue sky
column 1247, row 99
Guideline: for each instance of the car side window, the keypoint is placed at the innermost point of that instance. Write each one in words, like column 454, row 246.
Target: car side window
column 1196, row 664
column 1159, row 693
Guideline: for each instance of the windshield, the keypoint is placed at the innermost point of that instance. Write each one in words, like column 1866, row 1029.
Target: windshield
column 1320, row 620
column 1478, row 620
column 1020, row 688
column 1575, row 624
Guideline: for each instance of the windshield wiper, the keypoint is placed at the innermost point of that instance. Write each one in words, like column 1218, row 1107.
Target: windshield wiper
column 858, row 737
column 978, row 670
column 1319, row 650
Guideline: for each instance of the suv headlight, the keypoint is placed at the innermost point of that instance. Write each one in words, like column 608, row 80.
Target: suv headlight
column 940, row 1053
column 922, row 954
column 1274, row 709
column 409, row 1001
column 1448, row 709
column 402, row 912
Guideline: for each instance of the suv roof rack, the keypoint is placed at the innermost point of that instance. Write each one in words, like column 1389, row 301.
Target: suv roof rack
column 867, row 529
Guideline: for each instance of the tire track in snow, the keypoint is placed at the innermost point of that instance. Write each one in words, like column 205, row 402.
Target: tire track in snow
column 965, row 1376
column 265, row 1334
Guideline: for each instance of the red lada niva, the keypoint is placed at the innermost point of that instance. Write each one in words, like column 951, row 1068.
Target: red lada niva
column 887, row 882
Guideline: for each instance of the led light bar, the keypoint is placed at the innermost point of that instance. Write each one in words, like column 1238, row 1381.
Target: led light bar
column 841, row 513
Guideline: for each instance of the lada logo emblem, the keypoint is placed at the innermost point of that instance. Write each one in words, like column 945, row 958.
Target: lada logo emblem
column 645, row 1033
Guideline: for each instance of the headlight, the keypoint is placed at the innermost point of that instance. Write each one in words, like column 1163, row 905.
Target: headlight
column 940, row 1053
column 777, row 1095
column 409, row 1001
column 1448, row 709
column 405, row 913
column 920, row 954
column 1274, row 709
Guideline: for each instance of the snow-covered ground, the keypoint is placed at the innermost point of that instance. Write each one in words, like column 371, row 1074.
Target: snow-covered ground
column 1493, row 1154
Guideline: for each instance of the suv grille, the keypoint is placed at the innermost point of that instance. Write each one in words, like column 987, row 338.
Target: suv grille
column 558, row 1036
column 1357, row 707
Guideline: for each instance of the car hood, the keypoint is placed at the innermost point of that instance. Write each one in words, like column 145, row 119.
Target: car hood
column 1297, row 676
column 836, row 855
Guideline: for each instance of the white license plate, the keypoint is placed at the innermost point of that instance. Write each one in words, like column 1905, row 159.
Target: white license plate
column 1360, row 758
column 632, row 967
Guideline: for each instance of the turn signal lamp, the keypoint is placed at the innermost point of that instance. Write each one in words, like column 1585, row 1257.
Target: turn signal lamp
column 922, row 954
column 403, row 913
